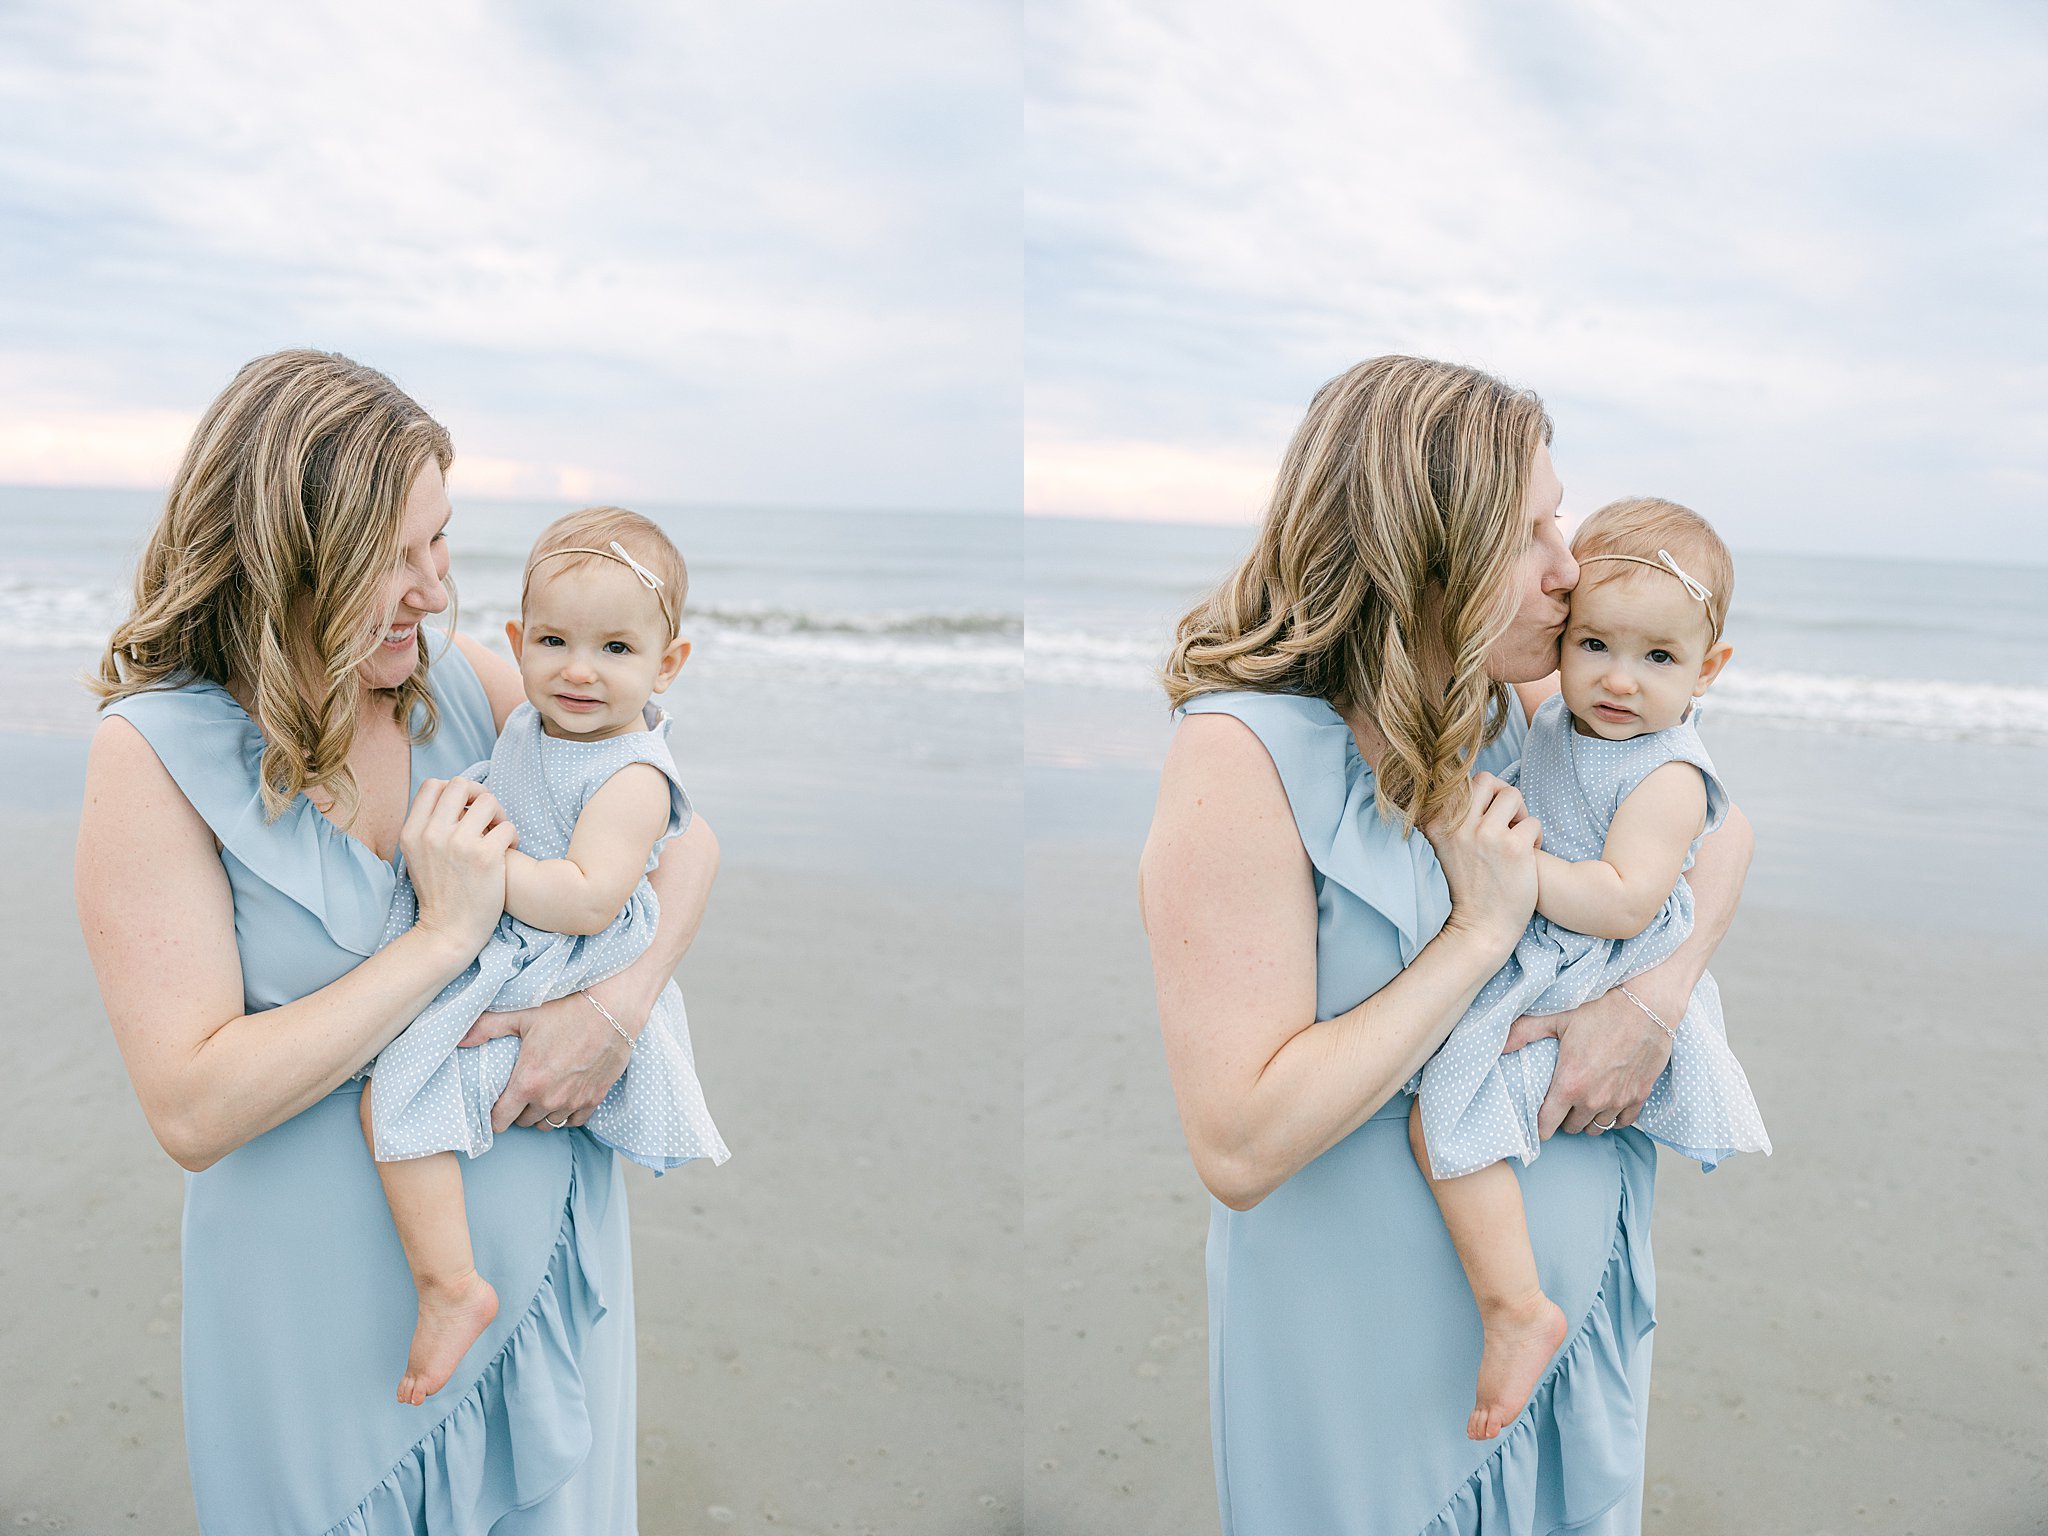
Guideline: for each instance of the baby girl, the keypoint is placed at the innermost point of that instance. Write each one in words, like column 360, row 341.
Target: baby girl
column 583, row 771
column 1614, row 771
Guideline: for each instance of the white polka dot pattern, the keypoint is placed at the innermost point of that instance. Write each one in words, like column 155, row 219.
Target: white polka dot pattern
column 1478, row 1106
column 426, row 1095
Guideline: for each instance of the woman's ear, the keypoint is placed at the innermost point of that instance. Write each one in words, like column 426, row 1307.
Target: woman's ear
column 514, row 634
column 672, row 661
column 1711, row 665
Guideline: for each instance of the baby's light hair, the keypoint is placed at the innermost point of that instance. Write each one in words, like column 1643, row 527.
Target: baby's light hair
column 1639, row 526
column 596, row 528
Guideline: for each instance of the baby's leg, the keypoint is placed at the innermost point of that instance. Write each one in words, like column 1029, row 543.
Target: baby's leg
column 456, row 1303
column 1522, row 1326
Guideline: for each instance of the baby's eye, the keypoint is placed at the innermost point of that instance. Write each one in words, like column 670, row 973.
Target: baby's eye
column 550, row 639
column 618, row 647
column 1662, row 658
column 1590, row 644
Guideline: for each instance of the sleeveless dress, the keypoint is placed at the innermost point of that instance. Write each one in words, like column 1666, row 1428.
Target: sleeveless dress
column 297, row 1301
column 426, row 1094
column 1343, row 1337
column 1479, row 1106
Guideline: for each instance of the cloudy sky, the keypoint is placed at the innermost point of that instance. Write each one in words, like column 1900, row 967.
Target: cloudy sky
column 1782, row 261
column 762, row 252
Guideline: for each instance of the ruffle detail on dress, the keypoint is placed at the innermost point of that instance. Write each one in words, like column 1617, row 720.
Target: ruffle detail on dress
column 1333, row 795
column 338, row 879
column 1577, row 1448
column 523, row 1429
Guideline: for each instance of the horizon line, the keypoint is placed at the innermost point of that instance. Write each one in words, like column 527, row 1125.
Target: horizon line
column 498, row 499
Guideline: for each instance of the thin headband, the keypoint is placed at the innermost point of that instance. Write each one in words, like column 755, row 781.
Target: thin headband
column 617, row 552
column 1671, row 567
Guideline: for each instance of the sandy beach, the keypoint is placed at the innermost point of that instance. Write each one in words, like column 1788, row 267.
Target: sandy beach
column 829, row 1333
column 1850, row 1334
column 951, row 1280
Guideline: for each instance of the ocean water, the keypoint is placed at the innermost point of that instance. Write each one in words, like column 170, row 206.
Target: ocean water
column 1883, row 724
column 851, row 703
column 910, row 697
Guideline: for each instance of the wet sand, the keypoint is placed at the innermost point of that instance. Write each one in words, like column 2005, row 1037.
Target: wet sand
column 1852, row 1335
column 951, row 1280
column 828, row 1333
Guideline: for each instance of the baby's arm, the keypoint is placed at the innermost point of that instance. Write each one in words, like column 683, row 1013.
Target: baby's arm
column 584, row 891
column 1618, row 894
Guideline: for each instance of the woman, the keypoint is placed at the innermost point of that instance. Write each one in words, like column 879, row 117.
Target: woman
column 280, row 725
column 1311, row 952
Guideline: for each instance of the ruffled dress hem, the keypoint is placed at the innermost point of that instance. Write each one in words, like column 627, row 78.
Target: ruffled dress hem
column 1576, row 1450
column 522, row 1430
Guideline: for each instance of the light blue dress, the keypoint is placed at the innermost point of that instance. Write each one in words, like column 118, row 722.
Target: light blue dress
column 1478, row 1106
column 297, row 1302
column 427, row 1095
column 1343, row 1338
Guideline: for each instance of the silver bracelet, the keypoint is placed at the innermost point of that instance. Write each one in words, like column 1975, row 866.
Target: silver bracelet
column 630, row 1042
column 1640, row 1004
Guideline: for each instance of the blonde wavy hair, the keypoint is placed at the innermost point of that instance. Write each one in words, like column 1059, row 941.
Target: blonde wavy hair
column 1389, row 551
column 273, row 557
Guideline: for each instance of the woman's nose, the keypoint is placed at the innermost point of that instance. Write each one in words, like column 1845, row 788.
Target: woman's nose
column 428, row 595
column 1564, row 572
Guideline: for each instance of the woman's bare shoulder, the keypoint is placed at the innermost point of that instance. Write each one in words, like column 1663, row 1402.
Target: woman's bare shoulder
column 123, row 773
column 1533, row 694
column 499, row 677
column 1221, row 803
column 1215, row 755
column 133, row 803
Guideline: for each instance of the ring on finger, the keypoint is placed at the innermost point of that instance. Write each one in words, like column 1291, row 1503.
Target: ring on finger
column 1605, row 1125
column 561, row 1124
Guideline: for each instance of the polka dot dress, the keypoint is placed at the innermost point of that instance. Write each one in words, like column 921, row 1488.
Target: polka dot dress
column 428, row 1096
column 1478, row 1106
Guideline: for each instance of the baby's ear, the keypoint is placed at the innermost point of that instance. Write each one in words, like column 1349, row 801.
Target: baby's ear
column 514, row 634
column 1717, row 657
column 672, row 661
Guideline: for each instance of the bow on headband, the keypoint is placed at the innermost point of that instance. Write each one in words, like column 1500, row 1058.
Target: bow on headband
column 617, row 552
column 1693, row 587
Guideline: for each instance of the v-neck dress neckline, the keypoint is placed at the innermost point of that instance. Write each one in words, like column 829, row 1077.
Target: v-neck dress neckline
column 412, row 781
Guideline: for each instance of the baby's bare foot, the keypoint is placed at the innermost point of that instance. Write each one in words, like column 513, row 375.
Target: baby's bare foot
column 1520, row 1339
column 453, row 1316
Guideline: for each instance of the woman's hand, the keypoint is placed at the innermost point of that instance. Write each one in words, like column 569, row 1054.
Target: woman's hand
column 1609, row 1056
column 569, row 1057
column 455, row 839
column 1489, row 861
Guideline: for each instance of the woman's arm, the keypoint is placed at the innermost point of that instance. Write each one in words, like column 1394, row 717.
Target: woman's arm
column 1608, row 1054
column 158, row 917
column 569, row 1057
column 1229, row 906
